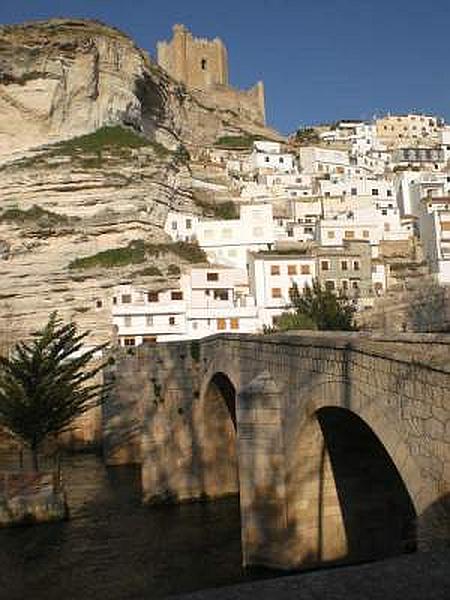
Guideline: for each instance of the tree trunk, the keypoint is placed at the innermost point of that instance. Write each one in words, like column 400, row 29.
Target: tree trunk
column 34, row 458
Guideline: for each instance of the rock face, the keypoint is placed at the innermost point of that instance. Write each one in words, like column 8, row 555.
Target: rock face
column 90, row 133
column 62, row 78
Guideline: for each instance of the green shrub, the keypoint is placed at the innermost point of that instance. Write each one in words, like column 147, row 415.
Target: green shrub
column 151, row 271
column 223, row 210
column 103, row 138
column 237, row 142
column 173, row 270
column 137, row 252
column 35, row 214
column 134, row 253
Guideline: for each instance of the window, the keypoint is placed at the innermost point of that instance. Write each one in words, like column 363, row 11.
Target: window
column 387, row 227
column 366, row 233
column 220, row 294
column 129, row 341
column 212, row 276
column 172, row 321
column 234, row 323
column 356, row 265
column 305, row 269
column 355, row 285
column 267, row 159
column 114, row 299
column 329, row 285
column 147, row 339
column 330, row 235
column 203, row 64
column 384, row 211
column 127, row 321
column 174, row 225
column 281, row 160
column 188, row 223
column 153, row 296
column 292, row 269
column 325, row 265
column 344, row 265
column 176, row 295
column 344, row 285
column 221, row 324
column 149, row 320
column 276, row 292
column 349, row 234
column 275, row 270
column 126, row 298
column 389, row 192
column 375, row 191
column 194, row 325
column 98, row 303
column 353, row 191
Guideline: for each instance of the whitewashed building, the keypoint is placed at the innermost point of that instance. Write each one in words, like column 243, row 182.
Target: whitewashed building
column 269, row 157
column 208, row 301
column 318, row 161
column 271, row 277
column 228, row 241
column 434, row 224
column 181, row 226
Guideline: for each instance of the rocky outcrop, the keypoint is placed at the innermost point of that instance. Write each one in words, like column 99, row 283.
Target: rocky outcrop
column 90, row 133
column 63, row 78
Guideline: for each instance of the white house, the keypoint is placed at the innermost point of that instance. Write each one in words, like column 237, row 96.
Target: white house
column 269, row 157
column 181, row 226
column 360, row 186
column 318, row 161
column 434, row 223
column 228, row 241
column 272, row 275
column 144, row 316
column 208, row 301
column 412, row 186
column 380, row 221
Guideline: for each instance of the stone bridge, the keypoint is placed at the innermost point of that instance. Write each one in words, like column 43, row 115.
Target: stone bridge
column 338, row 444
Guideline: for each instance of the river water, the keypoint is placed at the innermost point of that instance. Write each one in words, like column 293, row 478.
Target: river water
column 113, row 548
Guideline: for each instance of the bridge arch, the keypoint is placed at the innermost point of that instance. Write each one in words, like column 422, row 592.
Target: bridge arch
column 347, row 497
column 216, row 422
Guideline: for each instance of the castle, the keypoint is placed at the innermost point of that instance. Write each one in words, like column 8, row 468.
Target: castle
column 202, row 65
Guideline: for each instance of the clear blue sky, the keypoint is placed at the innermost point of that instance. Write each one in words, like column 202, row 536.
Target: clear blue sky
column 321, row 60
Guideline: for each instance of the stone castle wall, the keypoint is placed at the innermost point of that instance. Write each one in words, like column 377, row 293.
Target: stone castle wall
column 202, row 65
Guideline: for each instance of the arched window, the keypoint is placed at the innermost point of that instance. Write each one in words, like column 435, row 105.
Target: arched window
column 204, row 63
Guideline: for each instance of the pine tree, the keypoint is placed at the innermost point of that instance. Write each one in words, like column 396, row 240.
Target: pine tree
column 46, row 383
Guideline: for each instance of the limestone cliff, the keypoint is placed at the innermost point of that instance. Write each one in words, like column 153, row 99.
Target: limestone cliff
column 62, row 78
column 92, row 156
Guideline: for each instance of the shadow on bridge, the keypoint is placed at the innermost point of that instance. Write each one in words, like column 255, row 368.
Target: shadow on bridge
column 378, row 515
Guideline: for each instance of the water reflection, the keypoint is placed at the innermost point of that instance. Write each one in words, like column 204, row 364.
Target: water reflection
column 115, row 548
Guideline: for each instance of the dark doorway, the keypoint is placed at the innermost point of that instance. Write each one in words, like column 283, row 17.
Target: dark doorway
column 378, row 514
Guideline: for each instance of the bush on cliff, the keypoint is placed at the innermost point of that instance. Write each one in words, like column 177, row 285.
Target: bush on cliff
column 46, row 383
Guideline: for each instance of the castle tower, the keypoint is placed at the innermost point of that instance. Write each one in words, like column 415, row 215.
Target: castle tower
column 197, row 62
column 202, row 65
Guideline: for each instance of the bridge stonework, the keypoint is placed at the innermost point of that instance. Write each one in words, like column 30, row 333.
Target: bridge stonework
column 339, row 445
